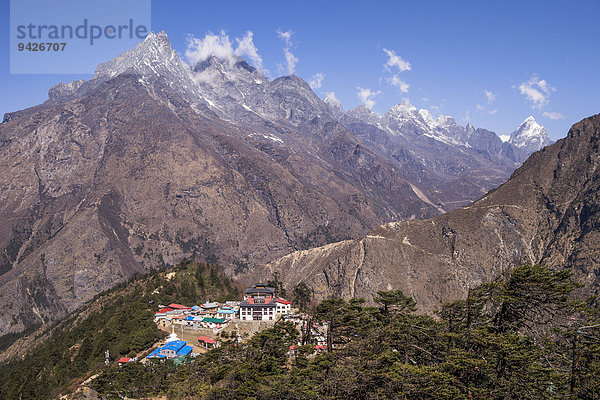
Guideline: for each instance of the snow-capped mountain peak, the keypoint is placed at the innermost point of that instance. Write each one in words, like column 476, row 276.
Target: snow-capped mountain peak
column 364, row 114
column 530, row 136
column 153, row 56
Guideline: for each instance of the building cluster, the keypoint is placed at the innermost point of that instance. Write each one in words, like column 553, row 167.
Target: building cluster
column 259, row 304
column 208, row 315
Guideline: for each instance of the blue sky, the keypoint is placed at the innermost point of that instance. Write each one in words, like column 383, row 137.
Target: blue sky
column 489, row 63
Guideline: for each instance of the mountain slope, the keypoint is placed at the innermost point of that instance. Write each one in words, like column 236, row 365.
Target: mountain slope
column 140, row 167
column 56, row 358
column 547, row 213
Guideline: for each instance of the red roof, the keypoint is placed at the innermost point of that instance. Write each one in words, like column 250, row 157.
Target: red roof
column 163, row 310
column 124, row 359
column 293, row 347
column 283, row 301
column 179, row 307
column 206, row 339
column 319, row 347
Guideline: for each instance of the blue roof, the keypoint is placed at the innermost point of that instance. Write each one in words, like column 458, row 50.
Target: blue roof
column 189, row 318
column 174, row 345
column 155, row 354
column 185, row 350
column 180, row 347
column 195, row 308
column 225, row 312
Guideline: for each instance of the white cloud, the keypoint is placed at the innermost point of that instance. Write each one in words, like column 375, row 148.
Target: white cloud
column 490, row 96
column 494, row 111
column 285, row 36
column 396, row 81
column 221, row 47
column 425, row 99
column 366, row 96
column 247, row 48
column 330, row 97
column 553, row 115
column 537, row 91
column 316, row 81
column 290, row 59
column 479, row 107
column 332, row 100
column 211, row 45
column 467, row 117
column 395, row 60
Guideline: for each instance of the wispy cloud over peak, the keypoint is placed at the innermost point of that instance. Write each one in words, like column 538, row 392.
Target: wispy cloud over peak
column 366, row 96
column 290, row 59
column 220, row 46
column 211, row 45
column 395, row 60
column 553, row 115
column 246, row 48
column 316, row 81
column 537, row 91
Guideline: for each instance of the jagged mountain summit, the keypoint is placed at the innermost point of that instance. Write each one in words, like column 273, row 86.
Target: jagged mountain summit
column 546, row 213
column 530, row 136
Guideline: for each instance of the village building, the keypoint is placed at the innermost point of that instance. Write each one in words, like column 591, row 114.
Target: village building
column 214, row 323
column 283, row 306
column 207, row 342
column 125, row 360
column 172, row 349
column 226, row 313
column 258, row 304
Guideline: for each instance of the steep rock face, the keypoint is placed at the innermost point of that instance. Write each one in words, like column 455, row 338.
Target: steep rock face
column 140, row 167
column 548, row 212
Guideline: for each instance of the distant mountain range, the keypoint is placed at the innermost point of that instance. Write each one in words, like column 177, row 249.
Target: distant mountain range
column 151, row 161
column 452, row 165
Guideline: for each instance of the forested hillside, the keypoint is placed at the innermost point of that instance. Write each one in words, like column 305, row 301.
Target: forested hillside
column 59, row 357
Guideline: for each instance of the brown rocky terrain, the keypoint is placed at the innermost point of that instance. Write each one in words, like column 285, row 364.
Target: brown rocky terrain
column 548, row 212
column 121, row 174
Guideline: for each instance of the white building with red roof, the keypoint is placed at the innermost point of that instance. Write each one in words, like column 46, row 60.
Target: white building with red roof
column 283, row 306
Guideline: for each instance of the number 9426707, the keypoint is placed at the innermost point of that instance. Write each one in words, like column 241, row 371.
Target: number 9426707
column 35, row 46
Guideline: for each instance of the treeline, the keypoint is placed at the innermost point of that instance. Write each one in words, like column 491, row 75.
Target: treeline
column 521, row 336
column 119, row 320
